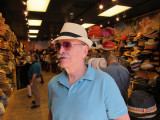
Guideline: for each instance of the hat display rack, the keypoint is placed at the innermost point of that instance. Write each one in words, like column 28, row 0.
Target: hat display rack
column 8, row 47
column 142, row 55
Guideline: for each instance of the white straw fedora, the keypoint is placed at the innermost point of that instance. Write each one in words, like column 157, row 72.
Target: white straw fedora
column 73, row 31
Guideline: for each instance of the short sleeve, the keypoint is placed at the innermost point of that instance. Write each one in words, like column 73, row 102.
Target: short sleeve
column 114, row 103
column 50, row 94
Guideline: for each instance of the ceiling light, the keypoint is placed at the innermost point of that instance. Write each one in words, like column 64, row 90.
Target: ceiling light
column 117, row 18
column 24, row 3
column 100, row 6
column 34, row 22
column 101, row 25
column 113, row 0
column 114, row 10
column 32, row 36
column 33, row 31
column 25, row 13
column 37, row 5
column 87, row 25
column 81, row 19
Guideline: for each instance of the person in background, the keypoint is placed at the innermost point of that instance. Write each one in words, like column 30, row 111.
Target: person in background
column 34, row 74
column 120, row 74
column 81, row 92
column 28, row 62
column 28, row 58
column 47, row 61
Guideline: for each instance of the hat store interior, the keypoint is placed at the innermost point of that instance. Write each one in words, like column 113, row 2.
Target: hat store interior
column 128, row 28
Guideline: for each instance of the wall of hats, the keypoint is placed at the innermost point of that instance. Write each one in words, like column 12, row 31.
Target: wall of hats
column 9, row 50
column 136, row 40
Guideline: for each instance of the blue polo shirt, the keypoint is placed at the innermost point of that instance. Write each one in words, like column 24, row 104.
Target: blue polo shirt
column 95, row 96
column 34, row 68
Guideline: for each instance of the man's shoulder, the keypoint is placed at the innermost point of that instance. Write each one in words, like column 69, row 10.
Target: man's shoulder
column 55, row 79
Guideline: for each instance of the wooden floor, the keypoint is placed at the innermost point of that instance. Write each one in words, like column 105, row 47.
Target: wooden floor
column 20, row 107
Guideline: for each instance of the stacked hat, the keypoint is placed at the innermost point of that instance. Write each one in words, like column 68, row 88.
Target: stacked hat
column 109, row 45
column 146, row 65
column 136, row 52
column 4, row 85
column 129, row 60
column 139, row 36
column 142, row 105
column 124, row 37
column 127, row 53
column 135, row 65
column 6, row 69
column 146, row 52
column 150, row 44
column 108, row 31
column 98, row 63
column 2, row 26
column 94, row 31
column 1, row 43
column 130, row 44
column 2, row 59
column 141, row 42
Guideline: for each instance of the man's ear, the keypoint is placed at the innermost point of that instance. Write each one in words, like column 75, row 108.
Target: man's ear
column 85, row 51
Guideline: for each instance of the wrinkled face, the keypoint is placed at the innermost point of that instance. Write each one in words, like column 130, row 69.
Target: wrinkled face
column 71, row 52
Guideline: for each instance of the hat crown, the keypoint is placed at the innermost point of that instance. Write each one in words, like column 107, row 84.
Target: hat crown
column 74, row 28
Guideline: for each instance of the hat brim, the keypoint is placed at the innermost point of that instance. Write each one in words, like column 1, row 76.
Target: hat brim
column 85, row 40
column 113, row 48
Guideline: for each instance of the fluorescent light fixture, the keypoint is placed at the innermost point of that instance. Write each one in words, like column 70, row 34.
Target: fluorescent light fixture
column 37, row 5
column 34, row 22
column 114, row 10
column 33, row 31
column 87, row 25
column 32, row 36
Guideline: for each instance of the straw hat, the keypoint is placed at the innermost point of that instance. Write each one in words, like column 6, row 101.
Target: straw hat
column 73, row 31
column 98, row 63
column 146, row 65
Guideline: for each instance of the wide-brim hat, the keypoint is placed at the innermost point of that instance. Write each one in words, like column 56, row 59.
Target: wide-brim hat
column 98, row 63
column 73, row 31
column 146, row 65
column 109, row 45
column 130, row 44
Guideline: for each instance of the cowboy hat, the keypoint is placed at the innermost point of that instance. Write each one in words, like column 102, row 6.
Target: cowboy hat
column 73, row 31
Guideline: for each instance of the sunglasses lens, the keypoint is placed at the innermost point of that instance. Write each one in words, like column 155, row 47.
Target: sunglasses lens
column 67, row 45
column 58, row 46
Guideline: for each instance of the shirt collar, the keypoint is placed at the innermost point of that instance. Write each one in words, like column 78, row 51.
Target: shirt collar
column 115, row 63
column 89, row 75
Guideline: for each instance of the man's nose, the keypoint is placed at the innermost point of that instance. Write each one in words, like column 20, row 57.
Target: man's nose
column 61, row 50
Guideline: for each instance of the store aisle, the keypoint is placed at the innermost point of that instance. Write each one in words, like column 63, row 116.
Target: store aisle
column 20, row 109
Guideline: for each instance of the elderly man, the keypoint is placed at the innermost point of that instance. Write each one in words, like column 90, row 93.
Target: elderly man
column 120, row 74
column 34, row 74
column 81, row 92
